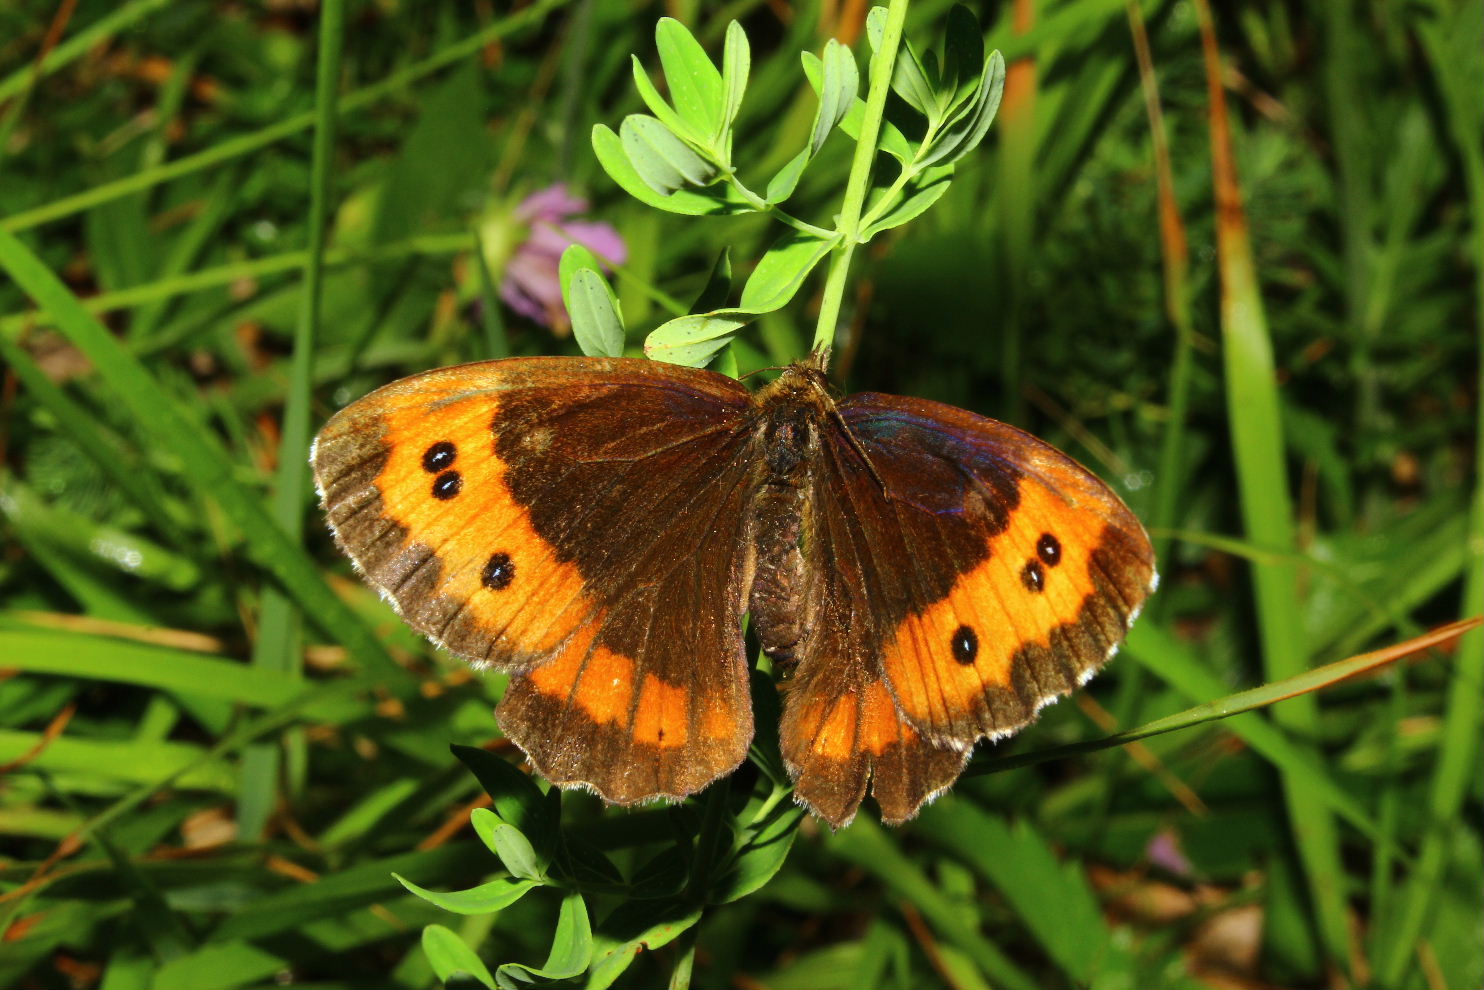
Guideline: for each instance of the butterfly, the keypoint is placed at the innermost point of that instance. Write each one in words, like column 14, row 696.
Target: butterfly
column 597, row 528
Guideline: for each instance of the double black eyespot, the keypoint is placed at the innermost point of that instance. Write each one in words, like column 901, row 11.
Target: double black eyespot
column 437, row 459
column 1048, row 554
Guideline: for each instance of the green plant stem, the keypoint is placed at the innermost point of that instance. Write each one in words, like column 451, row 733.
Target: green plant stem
column 859, row 183
column 761, row 205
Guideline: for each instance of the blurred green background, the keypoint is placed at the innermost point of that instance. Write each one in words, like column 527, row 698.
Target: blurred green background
column 174, row 812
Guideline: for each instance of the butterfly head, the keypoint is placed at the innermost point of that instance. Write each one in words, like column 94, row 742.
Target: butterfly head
column 790, row 411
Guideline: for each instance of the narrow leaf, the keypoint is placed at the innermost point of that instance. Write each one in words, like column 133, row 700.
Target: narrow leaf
column 782, row 270
column 840, row 86
column 694, row 340
column 782, row 185
column 493, row 896
column 736, row 64
column 659, row 106
column 963, row 135
column 448, row 955
column 695, row 85
column 571, row 949
column 662, row 160
column 689, row 202
column 919, row 194
column 596, row 321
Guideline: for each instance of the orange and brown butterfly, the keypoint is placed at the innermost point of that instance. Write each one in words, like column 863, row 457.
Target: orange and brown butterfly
column 597, row 528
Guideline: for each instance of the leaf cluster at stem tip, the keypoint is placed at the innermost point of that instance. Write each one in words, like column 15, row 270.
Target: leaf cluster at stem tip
column 679, row 157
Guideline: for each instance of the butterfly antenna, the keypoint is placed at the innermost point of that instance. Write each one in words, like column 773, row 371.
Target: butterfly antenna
column 855, row 443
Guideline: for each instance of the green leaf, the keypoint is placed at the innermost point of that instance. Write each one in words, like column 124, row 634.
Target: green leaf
column 782, row 270
column 909, row 79
column 662, row 160
column 967, row 129
column 689, row 202
column 694, row 340
column 759, row 853
column 1052, row 899
column 571, row 949
column 782, row 185
column 516, row 797
column 963, row 56
column 591, row 304
column 718, row 286
column 890, row 139
column 736, row 64
column 915, row 198
column 837, row 93
column 516, row 852
column 593, row 308
column 659, row 107
column 493, row 896
column 695, row 85
column 448, row 955
column 632, row 928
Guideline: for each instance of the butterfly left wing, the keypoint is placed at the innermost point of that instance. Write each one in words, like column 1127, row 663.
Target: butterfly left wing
column 970, row 574
column 579, row 523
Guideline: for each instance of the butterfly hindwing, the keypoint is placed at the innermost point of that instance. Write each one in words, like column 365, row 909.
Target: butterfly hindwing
column 581, row 524
column 972, row 575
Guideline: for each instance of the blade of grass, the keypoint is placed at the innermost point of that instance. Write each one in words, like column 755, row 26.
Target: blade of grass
column 248, row 143
column 209, row 469
column 80, row 43
column 100, row 658
column 1017, row 204
column 1267, row 512
column 81, row 427
column 277, row 646
column 1298, row 686
column 867, row 845
column 1458, row 755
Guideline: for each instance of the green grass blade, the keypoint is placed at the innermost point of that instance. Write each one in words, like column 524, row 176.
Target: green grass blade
column 248, row 143
column 209, row 469
column 1267, row 512
column 277, row 645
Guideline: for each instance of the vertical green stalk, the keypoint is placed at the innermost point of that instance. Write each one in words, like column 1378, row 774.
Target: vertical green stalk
column 1459, row 750
column 277, row 645
column 882, row 64
column 1267, row 510
column 1175, row 262
column 1016, row 201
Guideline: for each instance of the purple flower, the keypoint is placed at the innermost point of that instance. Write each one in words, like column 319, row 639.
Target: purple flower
column 1164, row 851
column 530, row 286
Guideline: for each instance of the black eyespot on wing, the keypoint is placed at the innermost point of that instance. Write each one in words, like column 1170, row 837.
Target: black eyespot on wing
column 1048, row 548
column 439, row 457
column 499, row 572
column 965, row 644
column 447, row 485
column 1033, row 576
